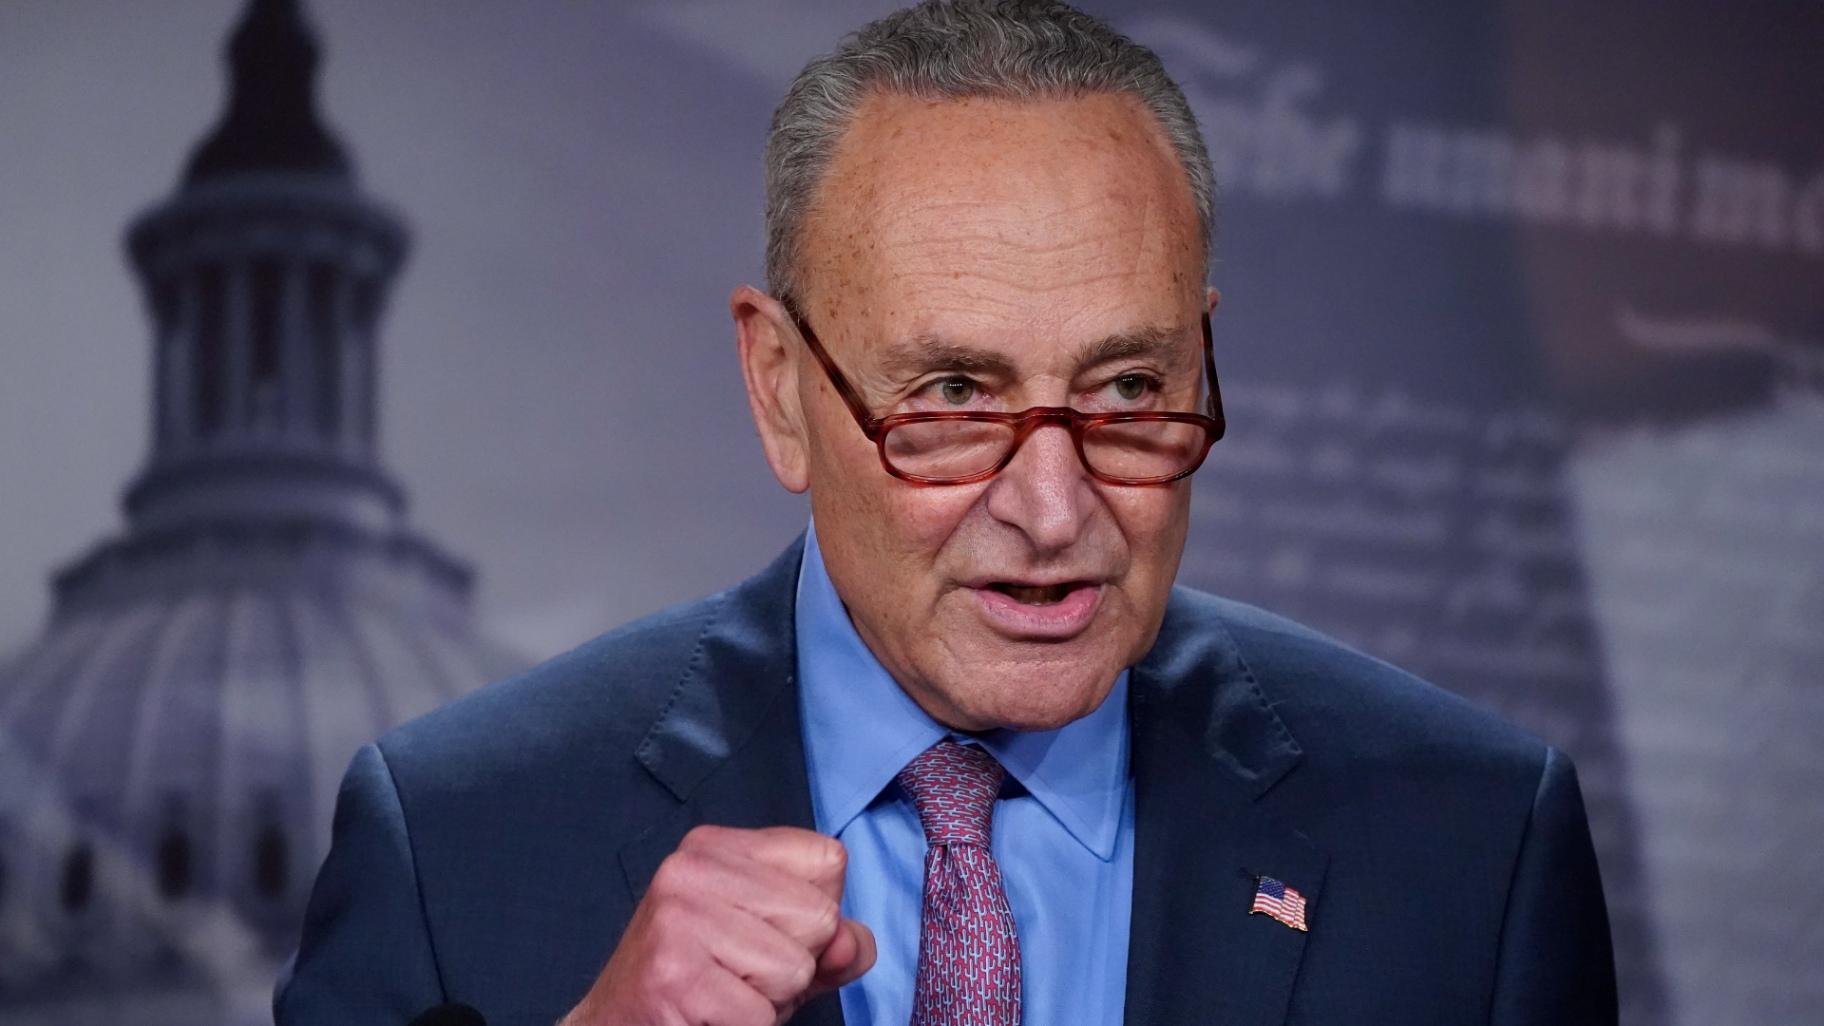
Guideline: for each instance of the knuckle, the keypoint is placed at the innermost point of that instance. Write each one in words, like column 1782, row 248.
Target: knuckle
column 825, row 917
column 831, row 858
column 673, row 874
column 671, row 921
column 755, row 1010
column 704, row 835
column 704, row 1003
column 800, row 973
column 669, row 974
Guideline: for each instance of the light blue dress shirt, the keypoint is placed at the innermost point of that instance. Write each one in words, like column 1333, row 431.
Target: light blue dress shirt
column 1063, row 834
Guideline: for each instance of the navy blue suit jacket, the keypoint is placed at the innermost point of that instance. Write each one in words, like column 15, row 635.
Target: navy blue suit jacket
column 492, row 852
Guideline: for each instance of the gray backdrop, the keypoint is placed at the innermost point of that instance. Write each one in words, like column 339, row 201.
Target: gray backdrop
column 1522, row 345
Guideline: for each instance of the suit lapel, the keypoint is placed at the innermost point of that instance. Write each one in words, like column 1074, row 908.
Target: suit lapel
column 1207, row 746
column 728, row 745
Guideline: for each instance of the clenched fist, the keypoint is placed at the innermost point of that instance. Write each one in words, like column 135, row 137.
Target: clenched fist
column 739, row 928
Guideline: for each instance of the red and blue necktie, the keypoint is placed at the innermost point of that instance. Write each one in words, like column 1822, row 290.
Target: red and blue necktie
column 968, row 950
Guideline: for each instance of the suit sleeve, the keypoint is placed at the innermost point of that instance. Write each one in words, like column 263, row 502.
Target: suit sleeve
column 1556, row 964
column 365, row 958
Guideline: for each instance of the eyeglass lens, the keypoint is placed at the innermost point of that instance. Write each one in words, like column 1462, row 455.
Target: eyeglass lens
column 1132, row 450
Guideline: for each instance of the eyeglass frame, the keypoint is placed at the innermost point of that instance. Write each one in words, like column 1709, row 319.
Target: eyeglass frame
column 1024, row 423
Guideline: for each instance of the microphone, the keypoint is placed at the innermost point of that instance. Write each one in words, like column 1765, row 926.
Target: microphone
column 449, row 1015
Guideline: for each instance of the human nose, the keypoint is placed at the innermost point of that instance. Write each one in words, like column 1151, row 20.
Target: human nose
column 1043, row 489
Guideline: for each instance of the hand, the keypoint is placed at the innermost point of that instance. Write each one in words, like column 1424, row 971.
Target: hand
column 739, row 928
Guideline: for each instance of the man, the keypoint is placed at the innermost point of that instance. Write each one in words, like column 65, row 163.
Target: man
column 963, row 754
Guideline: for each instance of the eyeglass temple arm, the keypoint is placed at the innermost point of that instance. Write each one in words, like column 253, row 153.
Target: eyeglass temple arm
column 1209, row 369
column 870, row 424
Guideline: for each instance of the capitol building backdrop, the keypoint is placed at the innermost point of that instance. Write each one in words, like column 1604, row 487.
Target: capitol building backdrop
column 170, row 748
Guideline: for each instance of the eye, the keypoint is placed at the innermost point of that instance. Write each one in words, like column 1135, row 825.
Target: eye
column 1133, row 386
column 956, row 391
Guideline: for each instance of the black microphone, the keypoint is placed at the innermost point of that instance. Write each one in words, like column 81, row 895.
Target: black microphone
column 449, row 1015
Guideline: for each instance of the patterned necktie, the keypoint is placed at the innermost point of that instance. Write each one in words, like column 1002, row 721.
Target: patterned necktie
column 968, row 952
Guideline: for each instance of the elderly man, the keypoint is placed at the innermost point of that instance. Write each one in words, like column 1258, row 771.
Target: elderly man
column 963, row 755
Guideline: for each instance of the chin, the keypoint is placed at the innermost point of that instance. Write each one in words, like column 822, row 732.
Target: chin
column 1032, row 721
column 1042, row 696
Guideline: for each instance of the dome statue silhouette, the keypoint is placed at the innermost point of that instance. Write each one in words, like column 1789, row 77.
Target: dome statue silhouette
column 171, row 746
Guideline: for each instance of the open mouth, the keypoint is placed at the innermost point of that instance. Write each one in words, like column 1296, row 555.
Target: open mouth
column 1037, row 594
column 1039, row 612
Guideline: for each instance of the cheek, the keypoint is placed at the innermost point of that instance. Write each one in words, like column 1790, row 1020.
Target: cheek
column 1154, row 522
column 848, row 485
column 896, row 534
column 925, row 526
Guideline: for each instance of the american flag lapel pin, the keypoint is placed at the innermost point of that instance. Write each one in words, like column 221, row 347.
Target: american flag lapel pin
column 1282, row 902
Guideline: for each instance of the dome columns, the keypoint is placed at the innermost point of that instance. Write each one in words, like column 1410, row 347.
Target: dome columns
column 265, row 293
column 264, row 324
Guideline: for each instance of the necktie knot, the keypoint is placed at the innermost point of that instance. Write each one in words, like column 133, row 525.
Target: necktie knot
column 954, row 788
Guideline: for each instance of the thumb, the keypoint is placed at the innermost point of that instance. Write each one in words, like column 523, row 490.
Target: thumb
column 849, row 954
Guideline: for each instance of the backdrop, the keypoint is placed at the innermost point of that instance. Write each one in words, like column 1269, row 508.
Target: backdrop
column 1522, row 345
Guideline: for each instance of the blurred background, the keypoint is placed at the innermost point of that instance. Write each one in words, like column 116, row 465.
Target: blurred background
column 355, row 354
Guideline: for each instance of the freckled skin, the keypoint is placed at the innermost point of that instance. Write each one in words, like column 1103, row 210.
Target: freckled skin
column 1027, row 228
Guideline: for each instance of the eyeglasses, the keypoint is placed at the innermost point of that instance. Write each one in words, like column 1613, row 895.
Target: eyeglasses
column 1140, row 447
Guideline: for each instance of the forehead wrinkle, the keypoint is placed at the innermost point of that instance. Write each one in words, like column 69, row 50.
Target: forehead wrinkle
column 990, row 231
column 1005, row 220
column 1018, row 255
column 1000, row 239
column 1003, row 287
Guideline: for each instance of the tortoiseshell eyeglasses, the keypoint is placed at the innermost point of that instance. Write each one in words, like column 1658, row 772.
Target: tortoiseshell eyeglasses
column 946, row 447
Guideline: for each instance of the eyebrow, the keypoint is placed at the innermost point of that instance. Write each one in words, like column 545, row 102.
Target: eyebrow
column 922, row 353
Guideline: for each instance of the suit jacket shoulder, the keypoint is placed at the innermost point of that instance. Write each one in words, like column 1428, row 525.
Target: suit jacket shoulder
column 600, row 695
column 1351, row 709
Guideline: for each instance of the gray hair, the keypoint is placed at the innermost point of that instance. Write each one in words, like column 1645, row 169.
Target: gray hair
column 956, row 49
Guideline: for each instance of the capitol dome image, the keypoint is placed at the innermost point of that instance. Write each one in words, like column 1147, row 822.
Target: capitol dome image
column 171, row 745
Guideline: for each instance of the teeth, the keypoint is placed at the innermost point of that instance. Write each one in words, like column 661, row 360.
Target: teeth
column 1043, row 595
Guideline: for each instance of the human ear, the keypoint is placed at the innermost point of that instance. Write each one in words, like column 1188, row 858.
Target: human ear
column 769, row 366
column 1212, row 297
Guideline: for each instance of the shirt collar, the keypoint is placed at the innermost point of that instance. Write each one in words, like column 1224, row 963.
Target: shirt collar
column 861, row 728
